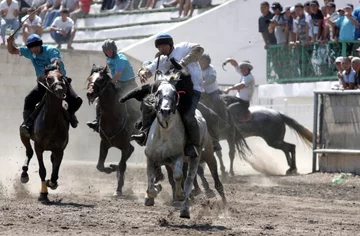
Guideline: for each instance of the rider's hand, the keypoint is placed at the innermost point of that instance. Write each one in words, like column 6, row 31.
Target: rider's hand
column 10, row 39
column 142, row 76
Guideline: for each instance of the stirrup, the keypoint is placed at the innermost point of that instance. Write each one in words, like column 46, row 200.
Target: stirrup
column 140, row 140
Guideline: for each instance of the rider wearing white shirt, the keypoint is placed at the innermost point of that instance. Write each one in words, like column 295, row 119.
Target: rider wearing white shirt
column 245, row 87
column 187, row 54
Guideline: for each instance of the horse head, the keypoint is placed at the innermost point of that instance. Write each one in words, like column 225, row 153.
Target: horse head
column 167, row 100
column 55, row 81
column 98, row 80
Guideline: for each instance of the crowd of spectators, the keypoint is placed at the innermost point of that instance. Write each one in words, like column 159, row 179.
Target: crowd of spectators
column 309, row 25
column 186, row 7
column 348, row 72
column 58, row 16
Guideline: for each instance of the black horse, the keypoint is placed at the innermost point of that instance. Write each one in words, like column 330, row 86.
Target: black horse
column 51, row 131
column 116, row 123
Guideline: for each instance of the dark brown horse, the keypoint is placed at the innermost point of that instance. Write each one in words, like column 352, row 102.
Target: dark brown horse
column 116, row 123
column 51, row 131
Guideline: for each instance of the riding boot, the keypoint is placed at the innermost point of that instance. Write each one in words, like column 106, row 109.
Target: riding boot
column 148, row 116
column 27, row 126
column 192, row 129
column 95, row 123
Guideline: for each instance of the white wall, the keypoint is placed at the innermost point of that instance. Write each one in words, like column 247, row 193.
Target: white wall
column 18, row 78
column 230, row 30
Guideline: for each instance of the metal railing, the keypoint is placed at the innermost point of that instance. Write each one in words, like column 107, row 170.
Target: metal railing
column 311, row 63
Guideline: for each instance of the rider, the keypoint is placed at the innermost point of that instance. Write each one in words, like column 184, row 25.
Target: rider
column 210, row 85
column 42, row 56
column 121, row 71
column 187, row 54
column 245, row 87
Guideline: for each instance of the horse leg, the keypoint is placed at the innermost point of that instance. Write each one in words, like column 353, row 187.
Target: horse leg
column 222, row 166
column 151, row 191
column 287, row 148
column 56, row 159
column 171, row 180
column 178, row 177
column 208, row 191
column 193, row 167
column 29, row 154
column 212, row 164
column 231, row 144
column 125, row 155
column 42, row 172
column 104, row 149
column 196, row 191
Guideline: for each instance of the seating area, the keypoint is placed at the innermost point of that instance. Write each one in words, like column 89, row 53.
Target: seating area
column 125, row 27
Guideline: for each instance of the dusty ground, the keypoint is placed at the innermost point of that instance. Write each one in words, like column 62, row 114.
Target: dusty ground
column 258, row 205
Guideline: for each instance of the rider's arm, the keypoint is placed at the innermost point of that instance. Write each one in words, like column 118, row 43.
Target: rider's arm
column 138, row 93
column 211, row 78
column 194, row 55
column 232, row 62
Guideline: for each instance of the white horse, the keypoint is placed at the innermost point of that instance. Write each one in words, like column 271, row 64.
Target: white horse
column 165, row 146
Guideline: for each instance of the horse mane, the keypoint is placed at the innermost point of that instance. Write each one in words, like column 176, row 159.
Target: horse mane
column 96, row 69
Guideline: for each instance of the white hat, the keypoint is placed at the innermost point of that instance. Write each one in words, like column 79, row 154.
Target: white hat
column 339, row 59
column 292, row 9
column 246, row 64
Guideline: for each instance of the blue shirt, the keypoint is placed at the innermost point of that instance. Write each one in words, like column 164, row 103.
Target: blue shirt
column 349, row 78
column 47, row 56
column 121, row 64
column 347, row 28
column 356, row 15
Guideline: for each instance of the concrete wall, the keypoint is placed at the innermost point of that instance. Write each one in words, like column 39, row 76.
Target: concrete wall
column 18, row 78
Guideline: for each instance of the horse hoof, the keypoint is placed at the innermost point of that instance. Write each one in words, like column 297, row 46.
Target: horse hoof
column 51, row 185
column 185, row 214
column 149, row 201
column 117, row 194
column 43, row 198
column 210, row 193
column 195, row 192
column 24, row 178
column 291, row 171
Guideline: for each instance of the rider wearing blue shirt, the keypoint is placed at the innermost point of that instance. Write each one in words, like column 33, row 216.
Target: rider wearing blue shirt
column 42, row 56
column 122, row 75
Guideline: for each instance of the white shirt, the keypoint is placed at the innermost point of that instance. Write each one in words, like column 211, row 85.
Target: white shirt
column 309, row 20
column 13, row 6
column 209, row 73
column 179, row 52
column 66, row 26
column 36, row 21
column 246, row 92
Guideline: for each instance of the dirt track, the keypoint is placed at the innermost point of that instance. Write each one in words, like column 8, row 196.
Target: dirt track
column 258, row 205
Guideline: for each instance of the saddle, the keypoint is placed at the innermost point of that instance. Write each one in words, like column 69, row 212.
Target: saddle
column 245, row 117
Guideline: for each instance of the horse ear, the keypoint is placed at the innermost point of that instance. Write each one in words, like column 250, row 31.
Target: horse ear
column 94, row 66
column 105, row 70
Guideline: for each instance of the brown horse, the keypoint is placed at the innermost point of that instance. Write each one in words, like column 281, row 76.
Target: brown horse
column 116, row 123
column 51, row 130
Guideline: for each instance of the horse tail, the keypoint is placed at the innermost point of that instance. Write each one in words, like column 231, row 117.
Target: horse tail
column 241, row 145
column 305, row 134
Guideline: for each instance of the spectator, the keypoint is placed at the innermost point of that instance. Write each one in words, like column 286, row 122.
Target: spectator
column 332, row 15
column 277, row 23
column 32, row 25
column 358, row 50
column 210, row 85
column 307, row 7
column 347, row 26
column 184, row 7
column 356, row 15
column 37, row 3
column 24, row 6
column 150, row 4
column 348, row 75
column 82, row 10
column 198, row 3
column 293, row 25
column 72, row 5
column 48, row 7
column 355, row 64
column 302, row 24
column 317, row 20
column 288, row 24
column 63, row 30
column 264, row 22
column 339, row 70
column 341, row 12
column 122, row 5
column 9, row 10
